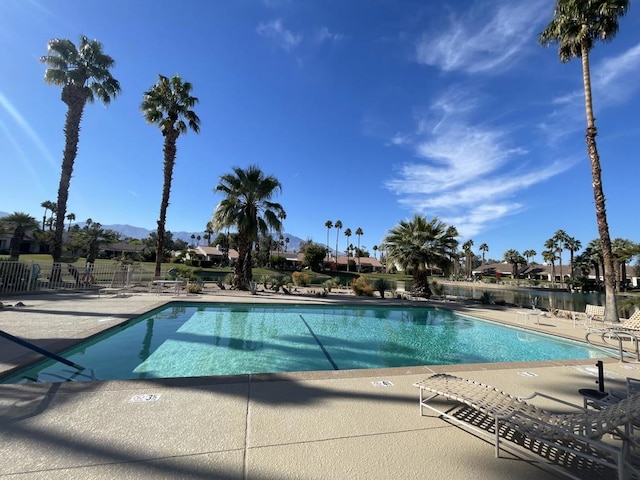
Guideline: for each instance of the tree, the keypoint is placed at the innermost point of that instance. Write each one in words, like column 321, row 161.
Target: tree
column 19, row 222
column 375, row 251
column 573, row 245
column 328, row 224
column 468, row 257
column 83, row 73
column 549, row 256
column 338, row 226
column 313, row 255
column 559, row 239
column 529, row 254
column 91, row 236
column 359, row 234
column 71, row 217
column 576, row 26
column 514, row 258
column 47, row 205
column 168, row 104
column 484, row 248
column 247, row 206
column 347, row 233
column 623, row 251
column 418, row 244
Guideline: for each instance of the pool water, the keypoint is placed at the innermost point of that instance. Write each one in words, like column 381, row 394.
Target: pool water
column 191, row 340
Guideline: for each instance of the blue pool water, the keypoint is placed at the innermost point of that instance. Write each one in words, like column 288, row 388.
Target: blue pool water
column 191, row 340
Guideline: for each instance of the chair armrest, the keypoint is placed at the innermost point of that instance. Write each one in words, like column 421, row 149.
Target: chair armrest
column 549, row 397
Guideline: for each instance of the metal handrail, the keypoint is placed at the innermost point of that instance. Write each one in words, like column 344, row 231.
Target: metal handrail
column 40, row 350
column 620, row 335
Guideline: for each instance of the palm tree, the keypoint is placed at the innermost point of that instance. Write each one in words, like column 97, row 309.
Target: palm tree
column 247, row 206
column 19, row 222
column 418, row 244
column 484, row 248
column 328, row 224
column 468, row 256
column 47, row 205
column 549, row 256
column 83, row 73
column 338, row 226
column 359, row 234
column 71, row 217
column 529, row 254
column 557, row 241
column 623, row 251
column 375, row 251
column 347, row 233
column 169, row 104
column 575, row 27
column 573, row 245
column 514, row 258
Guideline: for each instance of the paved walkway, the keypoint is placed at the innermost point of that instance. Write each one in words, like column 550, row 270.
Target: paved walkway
column 314, row 425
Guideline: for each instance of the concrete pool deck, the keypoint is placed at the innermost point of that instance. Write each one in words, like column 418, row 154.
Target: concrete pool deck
column 313, row 425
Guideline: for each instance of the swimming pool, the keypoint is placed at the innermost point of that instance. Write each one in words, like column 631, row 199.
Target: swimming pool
column 192, row 340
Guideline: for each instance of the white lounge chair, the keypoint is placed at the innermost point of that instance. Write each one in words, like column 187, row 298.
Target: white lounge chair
column 577, row 434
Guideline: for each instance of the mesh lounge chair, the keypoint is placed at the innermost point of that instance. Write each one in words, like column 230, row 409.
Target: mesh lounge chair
column 576, row 434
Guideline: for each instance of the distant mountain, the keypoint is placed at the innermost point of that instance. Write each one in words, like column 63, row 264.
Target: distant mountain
column 129, row 231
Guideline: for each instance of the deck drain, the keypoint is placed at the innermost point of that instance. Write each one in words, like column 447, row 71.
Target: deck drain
column 528, row 374
column 145, row 397
column 382, row 383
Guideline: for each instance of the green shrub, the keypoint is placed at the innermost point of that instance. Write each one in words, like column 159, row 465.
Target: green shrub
column 382, row 284
column 328, row 285
column 361, row 287
column 194, row 288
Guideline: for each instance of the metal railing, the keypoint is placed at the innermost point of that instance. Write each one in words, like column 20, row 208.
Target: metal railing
column 21, row 277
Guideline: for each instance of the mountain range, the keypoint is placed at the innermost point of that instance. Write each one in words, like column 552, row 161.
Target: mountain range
column 130, row 231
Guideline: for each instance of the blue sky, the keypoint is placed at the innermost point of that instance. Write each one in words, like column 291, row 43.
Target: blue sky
column 367, row 111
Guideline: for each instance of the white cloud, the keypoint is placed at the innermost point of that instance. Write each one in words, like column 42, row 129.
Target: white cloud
column 481, row 40
column 274, row 30
column 324, row 35
column 607, row 76
column 467, row 174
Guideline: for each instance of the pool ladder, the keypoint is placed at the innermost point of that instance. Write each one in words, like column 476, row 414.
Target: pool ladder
column 608, row 336
column 52, row 356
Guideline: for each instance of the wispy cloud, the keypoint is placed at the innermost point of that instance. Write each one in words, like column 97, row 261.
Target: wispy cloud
column 284, row 38
column 468, row 174
column 607, row 76
column 486, row 38
column 324, row 35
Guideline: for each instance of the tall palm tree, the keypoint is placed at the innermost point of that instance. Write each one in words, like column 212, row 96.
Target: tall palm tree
column 573, row 245
column 338, row 226
column 375, row 251
column 529, row 254
column 484, row 248
column 347, row 233
column 328, row 224
column 549, row 256
column 83, row 73
column 559, row 239
column 468, row 257
column 359, row 234
column 71, row 217
column 20, row 223
column 168, row 104
column 418, row 244
column 623, row 251
column 247, row 206
column 576, row 26
column 47, row 205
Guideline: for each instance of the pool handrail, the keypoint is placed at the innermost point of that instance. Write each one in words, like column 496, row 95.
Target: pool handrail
column 40, row 350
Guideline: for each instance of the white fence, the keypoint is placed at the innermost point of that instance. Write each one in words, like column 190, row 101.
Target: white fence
column 21, row 277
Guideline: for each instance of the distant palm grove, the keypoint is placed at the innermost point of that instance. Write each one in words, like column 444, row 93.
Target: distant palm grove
column 249, row 220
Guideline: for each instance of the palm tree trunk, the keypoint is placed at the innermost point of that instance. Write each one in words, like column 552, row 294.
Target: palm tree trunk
column 611, row 304
column 75, row 99
column 242, row 271
column 169, row 160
